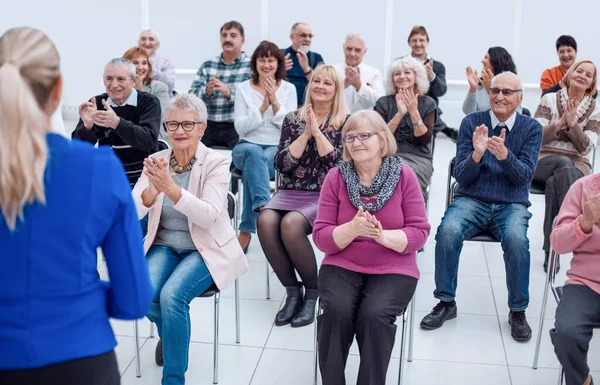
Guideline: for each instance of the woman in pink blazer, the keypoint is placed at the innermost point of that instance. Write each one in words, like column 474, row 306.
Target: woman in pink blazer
column 190, row 244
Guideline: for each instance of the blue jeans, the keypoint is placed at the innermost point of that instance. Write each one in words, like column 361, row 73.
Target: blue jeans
column 466, row 217
column 177, row 276
column 256, row 163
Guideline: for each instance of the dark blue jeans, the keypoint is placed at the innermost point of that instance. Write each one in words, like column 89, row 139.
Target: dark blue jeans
column 466, row 217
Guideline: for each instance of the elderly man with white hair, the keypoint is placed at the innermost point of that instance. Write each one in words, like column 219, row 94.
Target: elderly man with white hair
column 363, row 84
column 162, row 68
column 124, row 118
column 496, row 156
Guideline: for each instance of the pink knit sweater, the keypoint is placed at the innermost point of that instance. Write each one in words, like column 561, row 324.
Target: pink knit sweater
column 404, row 210
column 567, row 235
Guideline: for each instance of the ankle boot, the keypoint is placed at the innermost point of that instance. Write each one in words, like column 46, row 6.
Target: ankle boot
column 293, row 302
column 547, row 257
column 306, row 314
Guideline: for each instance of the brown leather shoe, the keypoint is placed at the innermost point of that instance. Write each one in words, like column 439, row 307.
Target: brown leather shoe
column 158, row 354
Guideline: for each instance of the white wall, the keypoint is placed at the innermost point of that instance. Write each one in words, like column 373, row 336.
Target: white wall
column 88, row 34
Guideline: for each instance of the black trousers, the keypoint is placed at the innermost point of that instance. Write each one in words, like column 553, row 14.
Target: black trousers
column 577, row 314
column 220, row 134
column 558, row 173
column 95, row 370
column 361, row 305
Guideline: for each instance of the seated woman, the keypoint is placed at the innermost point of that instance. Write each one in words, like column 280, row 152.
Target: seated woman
column 261, row 104
column 566, row 49
column 410, row 115
column 571, row 121
column 577, row 231
column 144, row 81
column 310, row 145
column 190, row 245
column 370, row 206
column 60, row 200
column 496, row 61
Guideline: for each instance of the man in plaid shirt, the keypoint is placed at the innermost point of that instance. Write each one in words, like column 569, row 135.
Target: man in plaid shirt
column 215, row 83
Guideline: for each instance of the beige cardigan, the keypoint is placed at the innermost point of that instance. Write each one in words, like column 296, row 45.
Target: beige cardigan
column 205, row 205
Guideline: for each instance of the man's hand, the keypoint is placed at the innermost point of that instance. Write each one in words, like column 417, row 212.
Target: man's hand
column 480, row 142
column 496, row 146
column 210, row 87
column 303, row 61
column 289, row 63
column 87, row 113
column 107, row 118
column 352, row 78
column 429, row 69
column 222, row 88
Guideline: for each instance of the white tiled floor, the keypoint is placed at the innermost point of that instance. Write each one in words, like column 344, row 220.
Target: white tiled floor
column 475, row 348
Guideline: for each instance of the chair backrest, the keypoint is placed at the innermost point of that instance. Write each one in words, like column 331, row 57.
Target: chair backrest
column 451, row 183
column 232, row 210
column 163, row 145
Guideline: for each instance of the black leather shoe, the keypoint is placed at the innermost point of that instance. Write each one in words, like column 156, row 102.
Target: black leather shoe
column 547, row 257
column 306, row 314
column 158, row 354
column 293, row 301
column 519, row 328
column 442, row 312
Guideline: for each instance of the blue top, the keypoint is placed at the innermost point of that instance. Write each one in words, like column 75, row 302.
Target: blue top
column 296, row 74
column 492, row 180
column 53, row 305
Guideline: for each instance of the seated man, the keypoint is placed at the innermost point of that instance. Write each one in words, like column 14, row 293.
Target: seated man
column 363, row 84
column 566, row 49
column 493, row 168
column 300, row 60
column 162, row 68
column 123, row 117
column 215, row 84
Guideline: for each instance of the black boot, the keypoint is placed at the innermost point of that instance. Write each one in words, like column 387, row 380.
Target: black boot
column 306, row 314
column 293, row 302
column 547, row 257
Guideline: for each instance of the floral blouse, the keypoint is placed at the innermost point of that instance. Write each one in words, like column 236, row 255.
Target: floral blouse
column 308, row 172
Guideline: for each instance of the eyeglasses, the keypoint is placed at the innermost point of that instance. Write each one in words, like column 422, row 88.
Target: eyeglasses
column 305, row 35
column 362, row 137
column 505, row 91
column 172, row 125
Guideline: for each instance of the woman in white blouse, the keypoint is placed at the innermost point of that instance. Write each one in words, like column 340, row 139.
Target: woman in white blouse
column 261, row 103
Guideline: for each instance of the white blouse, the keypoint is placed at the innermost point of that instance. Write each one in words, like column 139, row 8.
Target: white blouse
column 266, row 128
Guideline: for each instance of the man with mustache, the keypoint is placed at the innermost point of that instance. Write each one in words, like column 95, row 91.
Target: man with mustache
column 300, row 60
column 124, row 118
column 162, row 68
column 215, row 84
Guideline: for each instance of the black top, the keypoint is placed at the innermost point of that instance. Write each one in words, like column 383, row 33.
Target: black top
column 438, row 86
column 136, row 136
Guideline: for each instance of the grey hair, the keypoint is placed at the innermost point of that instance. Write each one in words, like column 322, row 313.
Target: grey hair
column 295, row 26
column 421, row 80
column 188, row 103
column 151, row 30
column 357, row 36
column 122, row 62
column 508, row 73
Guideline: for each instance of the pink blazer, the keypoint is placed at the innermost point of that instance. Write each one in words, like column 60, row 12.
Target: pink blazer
column 205, row 205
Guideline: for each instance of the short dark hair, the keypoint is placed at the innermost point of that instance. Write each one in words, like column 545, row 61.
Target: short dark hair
column 501, row 60
column 566, row 41
column 268, row 49
column 233, row 24
column 418, row 30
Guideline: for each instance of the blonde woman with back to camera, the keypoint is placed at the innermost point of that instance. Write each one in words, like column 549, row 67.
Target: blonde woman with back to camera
column 59, row 201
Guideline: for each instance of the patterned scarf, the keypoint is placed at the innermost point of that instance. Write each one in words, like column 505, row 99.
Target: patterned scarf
column 383, row 184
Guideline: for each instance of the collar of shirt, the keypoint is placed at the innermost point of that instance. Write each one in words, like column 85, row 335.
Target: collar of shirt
column 237, row 60
column 510, row 122
column 427, row 58
column 131, row 100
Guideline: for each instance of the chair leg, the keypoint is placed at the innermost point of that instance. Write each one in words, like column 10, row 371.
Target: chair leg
column 411, row 329
column 561, row 375
column 316, row 345
column 136, row 342
column 216, row 341
column 151, row 330
column 237, row 311
column 402, row 345
column 541, row 326
column 268, row 279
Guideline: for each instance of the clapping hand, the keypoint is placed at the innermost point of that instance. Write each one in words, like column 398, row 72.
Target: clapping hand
column 289, row 63
column 570, row 113
column 591, row 211
column 107, row 118
column 352, row 78
column 363, row 227
column 486, row 79
column 473, row 79
column 410, row 100
column 218, row 85
column 402, row 108
column 138, row 83
column 380, row 237
column 152, row 190
column 311, row 123
column 303, row 60
column 480, row 139
column 429, row 69
column 87, row 112
column 159, row 177
column 496, row 146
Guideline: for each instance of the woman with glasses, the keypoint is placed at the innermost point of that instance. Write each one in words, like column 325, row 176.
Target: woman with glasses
column 261, row 103
column 410, row 116
column 310, row 145
column 571, row 121
column 496, row 61
column 370, row 206
column 190, row 245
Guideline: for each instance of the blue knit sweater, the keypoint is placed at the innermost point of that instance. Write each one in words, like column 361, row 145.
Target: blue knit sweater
column 492, row 180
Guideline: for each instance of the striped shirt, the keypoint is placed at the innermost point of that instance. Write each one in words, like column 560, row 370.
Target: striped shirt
column 219, row 107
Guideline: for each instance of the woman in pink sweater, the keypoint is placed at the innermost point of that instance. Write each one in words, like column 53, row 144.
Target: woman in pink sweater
column 370, row 223
column 577, row 230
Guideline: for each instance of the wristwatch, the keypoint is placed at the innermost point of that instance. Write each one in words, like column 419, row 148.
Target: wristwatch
column 419, row 123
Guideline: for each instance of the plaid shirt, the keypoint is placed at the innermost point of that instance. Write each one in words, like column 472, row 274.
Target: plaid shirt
column 220, row 108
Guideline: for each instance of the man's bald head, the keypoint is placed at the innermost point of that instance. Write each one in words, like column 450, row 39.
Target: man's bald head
column 506, row 94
